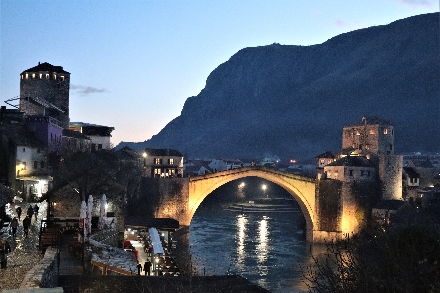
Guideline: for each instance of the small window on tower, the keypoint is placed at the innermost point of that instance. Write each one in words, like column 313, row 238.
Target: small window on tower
column 33, row 75
column 47, row 75
column 371, row 131
column 358, row 132
column 41, row 75
column 22, row 76
column 62, row 77
column 385, row 131
column 54, row 76
column 27, row 76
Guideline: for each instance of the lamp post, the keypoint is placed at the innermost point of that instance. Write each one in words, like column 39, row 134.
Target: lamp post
column 145, row 164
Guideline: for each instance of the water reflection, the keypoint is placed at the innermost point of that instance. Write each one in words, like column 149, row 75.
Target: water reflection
column 262, row 242
column 241, row 238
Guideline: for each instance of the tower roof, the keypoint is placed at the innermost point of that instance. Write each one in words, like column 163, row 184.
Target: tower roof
column 370, row 120
column 46, row 67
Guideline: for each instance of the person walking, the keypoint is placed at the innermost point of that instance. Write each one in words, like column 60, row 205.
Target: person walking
column 30, row 212
column 5, row 248
column 14, row 226
column 139, row 267
column 147, row 268
column 26, row 224
column 36, row 209
column 18, row 210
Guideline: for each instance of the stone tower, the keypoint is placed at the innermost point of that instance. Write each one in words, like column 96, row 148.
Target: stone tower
column 44, row 90
column 375, row 137
column 371, row 134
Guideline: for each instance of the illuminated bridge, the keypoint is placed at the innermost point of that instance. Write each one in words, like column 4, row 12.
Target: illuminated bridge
column 306, row 191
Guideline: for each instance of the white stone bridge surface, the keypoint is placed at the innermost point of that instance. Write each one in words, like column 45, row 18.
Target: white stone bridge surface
column 301, row 188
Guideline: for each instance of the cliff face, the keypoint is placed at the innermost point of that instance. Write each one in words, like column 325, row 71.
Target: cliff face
column 293, row 101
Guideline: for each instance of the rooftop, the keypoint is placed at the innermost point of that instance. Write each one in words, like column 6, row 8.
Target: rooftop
column 46, row 67
column 370, row 120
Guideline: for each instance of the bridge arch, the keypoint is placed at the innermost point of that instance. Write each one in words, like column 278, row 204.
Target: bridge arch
column 301, row 188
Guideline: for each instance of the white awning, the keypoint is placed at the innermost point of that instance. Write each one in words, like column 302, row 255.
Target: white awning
column 155, row 241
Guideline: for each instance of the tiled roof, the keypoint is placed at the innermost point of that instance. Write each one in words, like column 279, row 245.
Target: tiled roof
column 46, row 67
column 327, row 155
column 411, row 172
column 20, row 136
column 163, row 152
column 370, row 120
column 354, row 161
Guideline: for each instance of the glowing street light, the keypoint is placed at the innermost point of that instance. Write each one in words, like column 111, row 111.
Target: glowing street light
column 264, row 189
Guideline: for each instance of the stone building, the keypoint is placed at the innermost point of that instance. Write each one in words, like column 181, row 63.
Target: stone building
column 98, row 134
column 162, row 163
column 44, row 91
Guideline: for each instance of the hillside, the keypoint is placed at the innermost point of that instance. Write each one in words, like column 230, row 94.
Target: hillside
column 292, row 101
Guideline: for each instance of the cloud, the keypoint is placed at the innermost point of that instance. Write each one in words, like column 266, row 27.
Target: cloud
column 86, row 90
column 418, row 3
column 342, row 24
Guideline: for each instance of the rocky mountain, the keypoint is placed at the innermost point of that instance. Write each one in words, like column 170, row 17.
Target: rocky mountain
column 293, row 101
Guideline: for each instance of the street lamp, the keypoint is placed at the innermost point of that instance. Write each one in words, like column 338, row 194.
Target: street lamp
column 264, row 189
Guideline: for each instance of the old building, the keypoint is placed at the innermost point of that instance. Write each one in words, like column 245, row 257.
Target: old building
column 44, row 91
column 351, row 168
column 98, row 134
column 162, row 163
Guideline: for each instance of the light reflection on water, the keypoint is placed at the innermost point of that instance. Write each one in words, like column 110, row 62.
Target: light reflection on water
column 267, row 249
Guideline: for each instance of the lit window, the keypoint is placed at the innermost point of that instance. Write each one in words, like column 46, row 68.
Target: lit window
column 358, row 132
column 33, row 75
column 157, row 171
column 157, row 161
column 321, row 161
column 62, row 77
column 22, row 76
column 27, row 76
column 385, row 131
column 371, row 131
column 54, row 76
column 47, row 75
column 41, row 75
column 171, row 161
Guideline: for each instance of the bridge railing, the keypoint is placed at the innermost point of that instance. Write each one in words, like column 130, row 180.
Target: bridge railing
column 248, row 169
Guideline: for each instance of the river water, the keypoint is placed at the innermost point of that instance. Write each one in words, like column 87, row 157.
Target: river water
column 267, row 248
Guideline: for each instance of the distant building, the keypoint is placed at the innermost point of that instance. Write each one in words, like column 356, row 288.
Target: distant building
column 197, row 167
column 98, row 134
column 323, row 160
column 44, row 91
column 162, row 163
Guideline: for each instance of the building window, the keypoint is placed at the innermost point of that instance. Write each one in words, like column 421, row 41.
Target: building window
column 368, row 173
column 171, row 161
column 62, row 77
column 27, row 76
column 99, row 147
column 371, row 131
column 93, row 147
column 23, row 165
column 157, row 171
column 33, row 75
column 54, row 76
column 22, row 76
column 157, row 161
column 358, row 132
column 350, row 172
column 41, row 75
column 385, row 131
column 362, row 172
column 24, row 149
column 47, row 75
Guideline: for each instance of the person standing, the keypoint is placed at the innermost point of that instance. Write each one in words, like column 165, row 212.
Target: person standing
column 36, row 209
column 14, row 226
column 5, row 248
column 26, row 224
column 139, row 267
column 147, row 268
column 30, row 212
column 18, row 210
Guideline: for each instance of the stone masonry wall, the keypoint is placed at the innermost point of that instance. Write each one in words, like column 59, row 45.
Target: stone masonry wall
column 390, row 175
column 44, row 274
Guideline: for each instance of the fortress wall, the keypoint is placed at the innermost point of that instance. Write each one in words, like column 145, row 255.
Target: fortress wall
column 390, row 175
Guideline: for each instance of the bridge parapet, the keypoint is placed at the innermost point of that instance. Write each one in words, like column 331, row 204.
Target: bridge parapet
column 251, row 168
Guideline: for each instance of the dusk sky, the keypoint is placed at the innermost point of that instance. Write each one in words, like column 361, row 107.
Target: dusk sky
column 134, row 63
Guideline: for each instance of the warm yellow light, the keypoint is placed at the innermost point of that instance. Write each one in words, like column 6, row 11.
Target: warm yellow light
column 22, row 166
column 264, row 187
column 144, row 154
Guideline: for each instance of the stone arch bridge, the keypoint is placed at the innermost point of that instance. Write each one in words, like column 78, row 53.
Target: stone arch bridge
column 306, row 191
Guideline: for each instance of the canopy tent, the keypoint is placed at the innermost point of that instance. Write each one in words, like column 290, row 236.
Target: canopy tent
column 155, row 241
